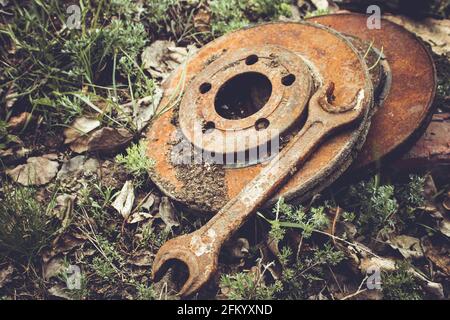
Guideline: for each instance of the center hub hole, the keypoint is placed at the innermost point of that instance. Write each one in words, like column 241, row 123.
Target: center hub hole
column 243, row 95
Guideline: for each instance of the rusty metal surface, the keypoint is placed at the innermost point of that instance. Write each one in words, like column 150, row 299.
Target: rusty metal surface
column 330, row 73
column 406, row 108
column 282, row 110
column 331, row 56
column 199, row 251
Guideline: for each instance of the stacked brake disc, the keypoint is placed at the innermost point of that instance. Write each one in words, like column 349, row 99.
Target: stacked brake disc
column 242, row 98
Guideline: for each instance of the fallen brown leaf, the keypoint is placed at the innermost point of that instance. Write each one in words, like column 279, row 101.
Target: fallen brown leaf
column 80, row 127
column 37, row 171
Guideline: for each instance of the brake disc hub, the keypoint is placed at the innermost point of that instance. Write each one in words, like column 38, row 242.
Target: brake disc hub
column 231, row 105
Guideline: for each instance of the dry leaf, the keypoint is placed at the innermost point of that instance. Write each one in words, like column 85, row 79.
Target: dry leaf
column 63, row 244
column 80, row 127
column 143, row 109
column 142, row 259
column 148, row 203
column 444, row 227
column 408, row 246
column 238, row 248
column 138, row 217
column 202, row 20
column 162, row 56
column 80, row 145
column 438, row 255
column 124, row 201
column 17, row 123
column 321, row 4
column 77, row 165
column 53, row 267
column 446, row 202
column 59, row 291
column 167, row 213
column 109, row 139
column 64, row 209
column 37, row 171
column 104, row 140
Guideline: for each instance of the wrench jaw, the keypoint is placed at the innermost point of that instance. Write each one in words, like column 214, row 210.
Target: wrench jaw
column 321, row 107
column 200, row 267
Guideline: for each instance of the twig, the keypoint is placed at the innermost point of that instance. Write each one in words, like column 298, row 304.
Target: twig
column 357, row 292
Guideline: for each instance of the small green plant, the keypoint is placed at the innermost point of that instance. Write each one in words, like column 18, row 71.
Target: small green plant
column 91, row 52
column 378, row 210
column 136, row 161
column 5, row 136
column 107, row 265
column 328, row 255
column 124, row 8
column 52, row 62
column 400, row 284
column 158, row 12
column 374, row 204
column 145, row 292
column 287, row 215
column 268, row 9
column 173, row 19
column 299, row 276
column 248, row 286
column 151, row 237
column 411, row 194
column 25, row 228
column 103, row 268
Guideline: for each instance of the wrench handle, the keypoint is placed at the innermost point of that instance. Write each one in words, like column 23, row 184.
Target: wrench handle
column 236, row 211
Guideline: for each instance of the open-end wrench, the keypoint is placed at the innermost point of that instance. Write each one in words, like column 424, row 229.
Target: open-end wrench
column 199, row 250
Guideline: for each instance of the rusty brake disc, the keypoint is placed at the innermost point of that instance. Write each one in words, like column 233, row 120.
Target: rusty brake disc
column 405, row 108
column 244, row 85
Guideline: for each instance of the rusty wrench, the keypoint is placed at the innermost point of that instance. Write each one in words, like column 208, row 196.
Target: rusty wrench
column 199, row 250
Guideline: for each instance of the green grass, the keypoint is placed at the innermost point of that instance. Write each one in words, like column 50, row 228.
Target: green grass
column 25, row 227
column 46, row 66
column 229, row 15
column 51, row 62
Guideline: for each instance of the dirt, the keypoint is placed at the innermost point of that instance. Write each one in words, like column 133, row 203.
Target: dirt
column 112, row 174
column 204, row 182
column 204, row 185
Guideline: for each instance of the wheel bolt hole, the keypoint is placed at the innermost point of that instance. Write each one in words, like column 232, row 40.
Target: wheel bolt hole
column 261, row 124
column 288, row 80
column 252, row 59
column 208, row 127
column 205, row 87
